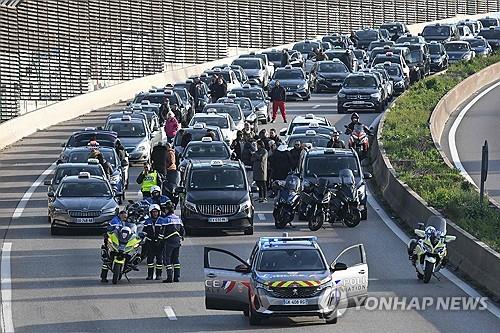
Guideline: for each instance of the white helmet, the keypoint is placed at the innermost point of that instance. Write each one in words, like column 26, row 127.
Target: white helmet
column 155, row 189
column 153, row 207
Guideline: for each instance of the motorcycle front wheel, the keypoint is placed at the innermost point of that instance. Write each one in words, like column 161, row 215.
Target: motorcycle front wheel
column 279, row 221
column 317, row 221
column 117, row 272
column 352, row 218
column 429, row 268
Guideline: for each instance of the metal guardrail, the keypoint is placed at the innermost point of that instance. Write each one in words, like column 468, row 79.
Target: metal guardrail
column 51, row 50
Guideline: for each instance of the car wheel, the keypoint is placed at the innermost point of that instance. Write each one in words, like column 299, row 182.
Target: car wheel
column 248, row 231
column 340, row 109
column 332, row 318
column 253, row 317
column 54, row 231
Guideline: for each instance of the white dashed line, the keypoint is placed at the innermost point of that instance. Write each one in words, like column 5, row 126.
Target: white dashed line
column 316, row 107
column 27, row 195
column 170, row 313
column 6, row 320
column 261, row 216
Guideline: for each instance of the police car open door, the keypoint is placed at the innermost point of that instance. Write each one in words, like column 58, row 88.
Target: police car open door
column 350, row 273
column 227, row 280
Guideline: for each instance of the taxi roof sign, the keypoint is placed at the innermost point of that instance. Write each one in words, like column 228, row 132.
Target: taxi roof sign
column 199, row 125
column 93, row 161
column 206, row 139
column 216, row 163
column 314, row 125
column 309, row 116
column 310, row 133
column 84, row 174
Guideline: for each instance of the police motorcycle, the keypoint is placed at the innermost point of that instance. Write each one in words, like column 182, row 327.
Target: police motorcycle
column 122, row 252
column 315, row 200
column 344, row 201
column 287, row 201
column 138, row 213
column 358, row 140
column 428, row 252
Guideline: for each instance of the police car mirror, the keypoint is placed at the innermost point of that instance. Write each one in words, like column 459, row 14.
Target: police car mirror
column 51, row 194
column 47, row 182
column 340, row 266
column 242, row 269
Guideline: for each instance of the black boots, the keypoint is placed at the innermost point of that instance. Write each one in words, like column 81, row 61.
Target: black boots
column 177, row 274
column 104, row 275
column 158, row 274
column 169, row 277
column 150, row 273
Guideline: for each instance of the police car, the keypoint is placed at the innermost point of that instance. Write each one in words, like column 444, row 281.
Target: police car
column 285, row 277
column 81, row 202
column 294, row 80
column 221, row 120
column 306, row 120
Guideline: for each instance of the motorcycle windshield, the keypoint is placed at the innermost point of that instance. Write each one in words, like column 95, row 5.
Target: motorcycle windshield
column 438, row 223
column 292, row 184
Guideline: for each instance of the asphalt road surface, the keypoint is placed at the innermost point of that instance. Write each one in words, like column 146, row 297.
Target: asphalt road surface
column 481, row 122
column 56, row 288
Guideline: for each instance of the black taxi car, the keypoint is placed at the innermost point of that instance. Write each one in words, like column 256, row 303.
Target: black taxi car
column 216, row 195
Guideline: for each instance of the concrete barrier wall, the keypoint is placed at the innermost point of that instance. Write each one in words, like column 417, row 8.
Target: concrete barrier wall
column 473, row 258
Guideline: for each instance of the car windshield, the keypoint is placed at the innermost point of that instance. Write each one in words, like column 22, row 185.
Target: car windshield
column 342, row 56
column 436, row 30
column 182, row 94
column 381, row 60
column 84, row 189
column 477, row 42
column 198, row 150
column 434, row 49
column 128, row 130
column 456, row 47
column 489, row 34
column 314, row 140
column 488, row 22
column 379, row 44
column 393, row 70
column 359, row 81
column 253, row 94
column 290, row 260
column 306, row 47
column 332, row 67
column 153, row 99
column 83, row 139
column 220, row 122
column 414, row 57
column 329, row 166
column 274, row 56
column 393, row 28
column 196, row 135
column 217, row 178
column 247, row 63
column 74, row 171
column 367, row 34
column 83, row 156
column 318, row 130
column 289, row 75
column 359, row 54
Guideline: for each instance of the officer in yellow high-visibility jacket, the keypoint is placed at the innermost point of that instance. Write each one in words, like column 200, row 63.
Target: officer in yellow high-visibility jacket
column 147, row 179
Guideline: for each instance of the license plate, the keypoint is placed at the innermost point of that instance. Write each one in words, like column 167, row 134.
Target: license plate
column 85, row 220
column 358, row 102
column 217, row 219
column 295, row 302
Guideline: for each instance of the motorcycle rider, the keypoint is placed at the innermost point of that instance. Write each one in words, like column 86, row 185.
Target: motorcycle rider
column 335, row 141
column 116, row 222
column 154, row 242
column 173, row 234
column 157, row 198
column 355, row 121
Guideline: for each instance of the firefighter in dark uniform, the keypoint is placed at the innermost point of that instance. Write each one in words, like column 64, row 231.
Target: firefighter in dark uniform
column 173, row 233
column 154, row 242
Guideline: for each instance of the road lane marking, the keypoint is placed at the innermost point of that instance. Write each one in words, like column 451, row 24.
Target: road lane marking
column 453, row 132
column 170, row 313
column 316, row 106
column 5, row 284
column 261, row 216
column 27, row 195
column 445, row 272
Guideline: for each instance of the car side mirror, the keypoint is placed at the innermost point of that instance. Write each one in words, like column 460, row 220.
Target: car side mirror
column 340, row 266
column 367, row 175
column 47, row 182
column 100, row 128
column 63, row 144
column 51, row 195
column 254, row 189
column 180, row 190
column 283, row 132
column 242, row 269
column 128, row 103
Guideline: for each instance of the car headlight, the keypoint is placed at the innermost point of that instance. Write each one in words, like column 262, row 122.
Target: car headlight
column 141, row 148
column 59, row 210
column 399, row 83
column 375, row 95
column 108, row 211
column 302, row 86
column 191, row 206
column 465, row 56
column 325, row 285
column 261, row 107
column 251, row 117
column 245, row 205
column 341, row 95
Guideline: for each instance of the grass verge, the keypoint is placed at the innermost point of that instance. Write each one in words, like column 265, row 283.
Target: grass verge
column 408, row 143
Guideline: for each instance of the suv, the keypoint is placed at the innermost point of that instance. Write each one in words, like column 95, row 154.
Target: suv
column 492, row 36
column 488, row 22
column 81, row 202
column 394, row 58
column 255, row 69
column 197, row 132
column 328, row 75
column 439, row 57
column 269, row 65
column 222, row 120
column 231, row 109
column 418, row 60
column 395, row 72
column 295, row 82
column 285, row 277
column 474, row 26
column 228, row 75
column 366, row 36
column 216, row 195
column 361, row 91
column 396, row 29
column 441, row 33
column 82, row 139
column 327, row 163
column 346, row 56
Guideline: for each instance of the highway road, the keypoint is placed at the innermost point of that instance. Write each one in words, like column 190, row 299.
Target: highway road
column 481, row 122
column 56, row 288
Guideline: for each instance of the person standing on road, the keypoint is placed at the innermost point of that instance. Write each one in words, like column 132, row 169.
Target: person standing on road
column 279, row 161
column 173, row 235
column 218, row 89
column 173, row 175
column 237, row 145
column 335, row 141
column 248, row 133
column 278, row 97
column 147, row 179
column 285, row 58
column 259, row 159
column 295, row 154
column 172, row 125
column 154, row 242
column 159, row 158
column 274, row 136
column 263, row 136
